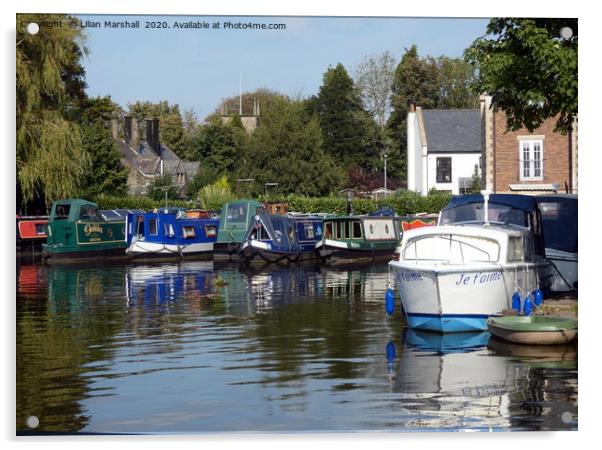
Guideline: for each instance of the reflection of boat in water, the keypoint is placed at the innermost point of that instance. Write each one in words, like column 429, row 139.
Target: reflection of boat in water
column 454, row 276
column 451, row 381
column 536, row 354
column 473, row 381
column 169, row 282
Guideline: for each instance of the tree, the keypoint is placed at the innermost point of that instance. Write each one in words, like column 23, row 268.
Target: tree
column 287, row 149
column 220, row 146
column 50, row 158
column 455, row 79
column 374, row 79
column 105, row 174
column 416, row 80
column 475, row 182
column 529, row 66
column 160, row 186
column 344, row 123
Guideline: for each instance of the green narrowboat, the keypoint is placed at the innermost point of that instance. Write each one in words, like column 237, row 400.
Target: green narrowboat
column 354, row 239
column 77, row 230
column 234, row 222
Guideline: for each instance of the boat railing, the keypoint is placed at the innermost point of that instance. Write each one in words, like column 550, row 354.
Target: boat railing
column 462, row 245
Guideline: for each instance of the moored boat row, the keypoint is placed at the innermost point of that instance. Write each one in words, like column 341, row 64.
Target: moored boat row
column 243, row 232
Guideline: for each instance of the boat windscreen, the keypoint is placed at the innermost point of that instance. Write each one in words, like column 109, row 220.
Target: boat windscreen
column 237, row 213
column 474, row 212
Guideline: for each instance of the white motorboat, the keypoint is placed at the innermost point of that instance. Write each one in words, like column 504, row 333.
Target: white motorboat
column 454, row 276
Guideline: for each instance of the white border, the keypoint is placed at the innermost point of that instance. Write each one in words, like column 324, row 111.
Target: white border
column 590, row 251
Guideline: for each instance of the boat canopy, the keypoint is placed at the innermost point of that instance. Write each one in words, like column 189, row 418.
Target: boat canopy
column 503, row 208
column 385, row 211
column 280, row 230
column 523, row 202
column 559, row 214
column 73, row 210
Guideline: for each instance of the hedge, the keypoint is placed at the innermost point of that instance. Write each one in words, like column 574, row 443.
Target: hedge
column 404, row 204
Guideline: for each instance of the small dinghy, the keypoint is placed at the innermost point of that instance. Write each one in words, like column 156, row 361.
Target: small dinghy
column 535, row 330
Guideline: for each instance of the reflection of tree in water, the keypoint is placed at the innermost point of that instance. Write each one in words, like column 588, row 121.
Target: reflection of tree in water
column 309, row 325
column 57, row 338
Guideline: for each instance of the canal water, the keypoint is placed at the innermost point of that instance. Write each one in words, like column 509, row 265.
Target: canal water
column 196, row 347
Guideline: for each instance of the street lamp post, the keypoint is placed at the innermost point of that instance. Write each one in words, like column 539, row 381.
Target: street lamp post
column 266, row 187
column 385, row 156
column 243, row 180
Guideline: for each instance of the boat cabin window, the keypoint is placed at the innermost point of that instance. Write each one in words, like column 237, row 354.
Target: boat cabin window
column 210, row 231
column 140, row 226
column 515, row 249
column 237, row 213
column 152, row 226
column 168, row 229
column 328, row 230
column 260, row 233
column 455, row 249
column 340, row 230
column 308, row 231
column 278, row 230
column 357, row 230
column 528, row 248
column 188, row 232
column 40, row 229
column 89, row 212
column 62, row 212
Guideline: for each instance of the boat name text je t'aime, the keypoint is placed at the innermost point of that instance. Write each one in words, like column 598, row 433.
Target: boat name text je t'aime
column 466, row 279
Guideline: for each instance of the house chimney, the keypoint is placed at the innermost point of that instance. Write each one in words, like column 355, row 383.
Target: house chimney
column 128, row 129
column 135, row 139
column 115, row 127
column 152, row 135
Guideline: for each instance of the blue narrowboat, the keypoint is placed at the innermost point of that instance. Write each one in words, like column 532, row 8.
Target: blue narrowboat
column 281, row 239
column 171, row 233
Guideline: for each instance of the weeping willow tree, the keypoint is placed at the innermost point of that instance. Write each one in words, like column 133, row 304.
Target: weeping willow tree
column 50, row 158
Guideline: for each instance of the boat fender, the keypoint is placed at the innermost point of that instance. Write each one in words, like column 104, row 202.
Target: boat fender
column 390, row 301
column 390, row 351
column 516, row 302
column 528, row 306
column 537, row 297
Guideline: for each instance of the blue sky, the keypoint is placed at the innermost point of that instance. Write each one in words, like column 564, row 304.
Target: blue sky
column 197, row 68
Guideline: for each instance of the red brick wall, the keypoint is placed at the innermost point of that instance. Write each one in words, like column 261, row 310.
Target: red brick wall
column 556, row 155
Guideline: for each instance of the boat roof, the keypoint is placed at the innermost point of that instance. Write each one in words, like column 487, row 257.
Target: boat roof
column 492, row 231
column 359, row 217
column 523, row 202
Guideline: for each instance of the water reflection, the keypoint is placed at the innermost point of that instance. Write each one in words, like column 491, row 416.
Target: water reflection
column 472, row 381
column 195, row 347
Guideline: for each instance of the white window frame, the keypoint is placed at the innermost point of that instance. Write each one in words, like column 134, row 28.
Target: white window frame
column 531, row 146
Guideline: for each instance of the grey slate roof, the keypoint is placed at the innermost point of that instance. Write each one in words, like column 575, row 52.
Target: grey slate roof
column 452, row 130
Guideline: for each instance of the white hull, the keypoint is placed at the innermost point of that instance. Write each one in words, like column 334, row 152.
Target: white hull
column 141, row 248
column 460, row 298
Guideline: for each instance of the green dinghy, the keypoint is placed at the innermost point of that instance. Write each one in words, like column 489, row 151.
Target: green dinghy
column 537, row 330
